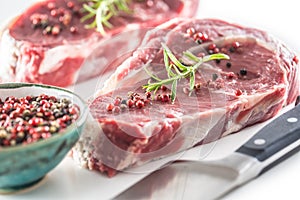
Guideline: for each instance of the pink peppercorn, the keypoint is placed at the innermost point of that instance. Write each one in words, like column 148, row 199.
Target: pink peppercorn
column 165, row 98
column 130, row 103
column 51, row 5
column 212, row 46
column 296, row 60
column 117, row 101
column 148, row 95
column 190, row 31
column 238, row 92
column 139, row 104
column 116, row 109
column 230, row 75
column 55, row 30
column 73, row 29
column 70, row 4
column 236, row 45
column 109, row 107
column 163, row 88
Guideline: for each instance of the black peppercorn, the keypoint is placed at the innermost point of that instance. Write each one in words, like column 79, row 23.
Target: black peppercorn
column 228, row 64
column 199, row 41
column 214, row 77
column 210, row 52
column 243, row 72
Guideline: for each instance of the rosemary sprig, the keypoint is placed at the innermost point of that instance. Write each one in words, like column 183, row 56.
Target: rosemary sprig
column 176, row 70
column 102, row 11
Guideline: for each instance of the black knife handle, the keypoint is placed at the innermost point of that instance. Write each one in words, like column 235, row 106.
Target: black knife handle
column 280, row 133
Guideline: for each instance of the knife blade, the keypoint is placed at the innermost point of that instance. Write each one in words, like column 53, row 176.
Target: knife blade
column 271, row 145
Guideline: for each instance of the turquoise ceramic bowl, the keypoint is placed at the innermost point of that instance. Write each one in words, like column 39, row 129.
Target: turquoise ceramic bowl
column 22, row 166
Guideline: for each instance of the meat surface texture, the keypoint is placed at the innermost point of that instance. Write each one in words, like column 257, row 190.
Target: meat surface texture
column 49, row 44
column 260, row 78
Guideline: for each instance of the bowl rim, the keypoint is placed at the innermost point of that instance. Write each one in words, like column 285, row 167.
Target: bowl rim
column 79, row 122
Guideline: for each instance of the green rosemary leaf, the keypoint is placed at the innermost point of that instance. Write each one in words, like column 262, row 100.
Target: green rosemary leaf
column 192, row 80
column 123, row 5
column 112, row 8
column 89, row 9
column 177, row 70
column 191, row 56
column 170, row 71
column 173, row 91
column 91, row 25
column 87, row 17
column 173, row 58
column 156, row 90
column 152, row 75
column 106, row 22
column 150, row 87
column 217, row 56
column 102, row 11
column 98, row 20
column 167, row 62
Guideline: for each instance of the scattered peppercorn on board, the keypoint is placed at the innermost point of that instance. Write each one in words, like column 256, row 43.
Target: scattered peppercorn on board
column 69, row 181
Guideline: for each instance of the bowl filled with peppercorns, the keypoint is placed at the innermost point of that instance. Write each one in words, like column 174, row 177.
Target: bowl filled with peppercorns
column 39, row 124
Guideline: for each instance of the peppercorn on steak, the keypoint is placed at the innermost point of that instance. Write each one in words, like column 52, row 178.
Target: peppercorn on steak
column 57, row 42
column 191, row 81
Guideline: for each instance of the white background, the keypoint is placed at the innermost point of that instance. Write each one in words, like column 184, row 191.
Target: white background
column 281, row 18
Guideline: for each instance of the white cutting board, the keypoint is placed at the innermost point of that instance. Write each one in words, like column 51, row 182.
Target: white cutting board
column 68, row 181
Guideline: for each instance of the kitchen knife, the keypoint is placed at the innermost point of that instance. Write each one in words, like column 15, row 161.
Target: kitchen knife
column 211, row 180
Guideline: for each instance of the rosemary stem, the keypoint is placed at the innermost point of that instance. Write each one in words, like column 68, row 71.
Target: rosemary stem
column 176, row 70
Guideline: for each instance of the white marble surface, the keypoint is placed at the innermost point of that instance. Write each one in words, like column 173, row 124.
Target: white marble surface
column 282, row 182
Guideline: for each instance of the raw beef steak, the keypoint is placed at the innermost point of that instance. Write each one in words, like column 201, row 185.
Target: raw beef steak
column 48, row 43
column 134, row 127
